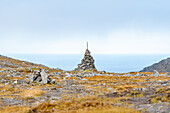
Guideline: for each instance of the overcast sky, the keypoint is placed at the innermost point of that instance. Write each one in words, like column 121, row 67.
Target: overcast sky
column 64, row 26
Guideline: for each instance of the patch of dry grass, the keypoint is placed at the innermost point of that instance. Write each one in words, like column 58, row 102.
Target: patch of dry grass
column 115, row 109
column 84, row 107
column 15, row 109
column 31, row 92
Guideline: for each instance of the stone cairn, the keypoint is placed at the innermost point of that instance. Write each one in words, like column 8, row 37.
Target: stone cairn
column 87, row 63
column 41, row 77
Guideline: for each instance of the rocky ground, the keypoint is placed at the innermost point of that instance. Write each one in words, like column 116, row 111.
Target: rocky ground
column 162, row 66
column 80, row 91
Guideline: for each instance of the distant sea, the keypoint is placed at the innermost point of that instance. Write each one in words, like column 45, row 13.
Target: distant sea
column 104, row 62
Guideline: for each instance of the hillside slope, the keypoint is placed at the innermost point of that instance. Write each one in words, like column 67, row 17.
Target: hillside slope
column 7, row 62
column 162, row 66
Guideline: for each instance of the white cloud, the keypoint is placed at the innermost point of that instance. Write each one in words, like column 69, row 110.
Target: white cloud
column 122, row 41
column 136, row 42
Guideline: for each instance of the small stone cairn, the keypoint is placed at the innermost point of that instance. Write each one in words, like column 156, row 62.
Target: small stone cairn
column 87, row 63
column 41, row 77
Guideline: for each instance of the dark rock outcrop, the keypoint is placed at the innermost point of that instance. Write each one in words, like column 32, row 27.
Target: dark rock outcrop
column 162, row 66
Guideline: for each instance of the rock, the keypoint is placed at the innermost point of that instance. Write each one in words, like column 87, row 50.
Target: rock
column 155, row 108
column 162, row 66
column 53, row 81
column 64, row 78
column 109, row 89
column 137, row 74
column 84, row 79
column 143, row 89
column 6, row 83
column 31, row 78
column 8, row 75
column 68, row 75
column 87, row 63
column 43, row 76
column 15, row 82
column 37, row 78
column 155, row 73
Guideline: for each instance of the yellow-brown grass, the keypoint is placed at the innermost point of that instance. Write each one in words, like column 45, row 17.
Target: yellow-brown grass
column 31, row 92
column 81, row 107
column 15, row 109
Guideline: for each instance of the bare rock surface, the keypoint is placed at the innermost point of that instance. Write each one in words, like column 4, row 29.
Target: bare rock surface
column 162, row 66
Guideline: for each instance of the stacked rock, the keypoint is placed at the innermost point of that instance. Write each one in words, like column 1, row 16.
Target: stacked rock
column 87, row 63
column 42, row 77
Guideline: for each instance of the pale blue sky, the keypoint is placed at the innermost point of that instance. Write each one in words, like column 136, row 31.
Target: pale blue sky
column 64, row 26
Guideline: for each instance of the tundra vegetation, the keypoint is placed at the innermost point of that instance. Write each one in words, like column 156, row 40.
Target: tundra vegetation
column 80, row 91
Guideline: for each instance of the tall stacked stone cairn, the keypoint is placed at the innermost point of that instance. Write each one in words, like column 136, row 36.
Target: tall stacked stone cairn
column 87, row 63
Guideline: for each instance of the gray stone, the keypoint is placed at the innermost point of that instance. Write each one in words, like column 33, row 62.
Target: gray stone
column 6, row 83
column 162, row 66
column 43, row 76
column 155, row 73
column 31, row 78
column 84, row 79
column 87, row 63
column 53, row 81
column 8, row 75
column 15, row 82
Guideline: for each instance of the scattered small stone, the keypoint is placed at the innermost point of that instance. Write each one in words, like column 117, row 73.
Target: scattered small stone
column 15, row 82
column 84, row 79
